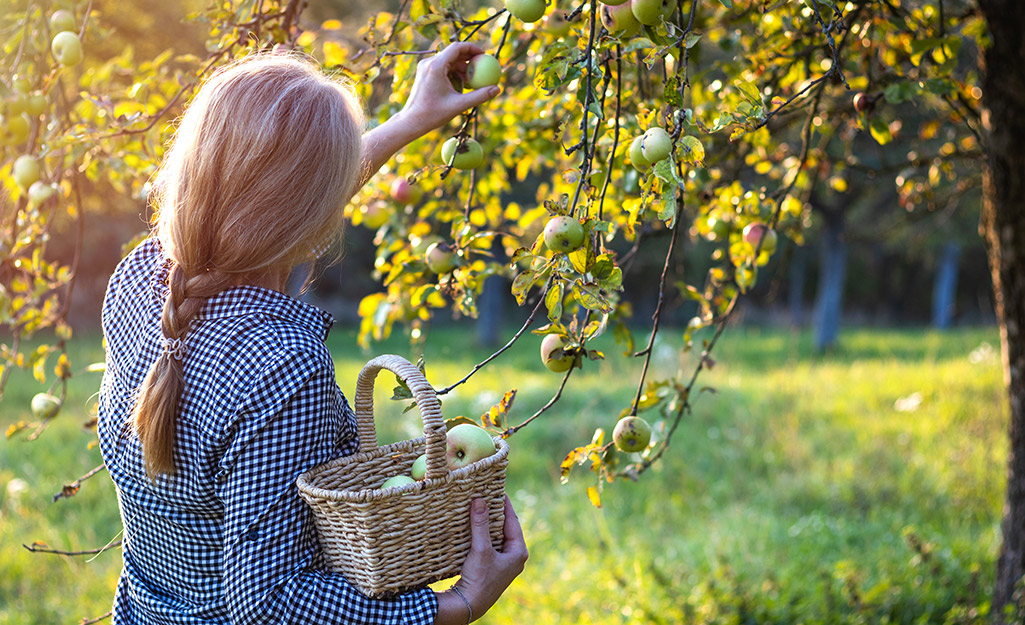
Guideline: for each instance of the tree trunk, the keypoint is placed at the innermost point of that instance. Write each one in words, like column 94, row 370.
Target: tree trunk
column 1003, row 226
column 795, row 295
column 944, row 291
column 832, row 274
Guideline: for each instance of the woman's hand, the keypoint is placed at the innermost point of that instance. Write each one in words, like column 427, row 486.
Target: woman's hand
column 433, row 101
column 486, row 573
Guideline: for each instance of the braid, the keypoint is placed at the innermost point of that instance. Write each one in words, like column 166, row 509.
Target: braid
column 157, row 406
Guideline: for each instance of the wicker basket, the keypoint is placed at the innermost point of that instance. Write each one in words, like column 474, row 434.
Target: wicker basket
column 388, row 541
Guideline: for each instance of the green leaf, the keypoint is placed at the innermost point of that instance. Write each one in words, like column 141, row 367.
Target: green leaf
column 726, row 3
column 553, row 301
column 880, row 131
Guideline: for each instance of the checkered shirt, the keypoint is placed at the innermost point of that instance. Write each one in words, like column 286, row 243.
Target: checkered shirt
column 227, row 537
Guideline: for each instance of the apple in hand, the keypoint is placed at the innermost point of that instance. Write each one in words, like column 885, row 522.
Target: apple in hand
column 526, row 10
column 631, row 434
column 656, row 144
column 651, row 12
column 398, row 480
column 757, row 231
column 467, row 443
column 62, row 20
column 469, row 155
column 563, row 234
column 45, row 406
column 552, row 356
column 440, row 257
column 484, row 70
column 25, row 171
column 67, row 48
column 419, row 470
column 403, row 192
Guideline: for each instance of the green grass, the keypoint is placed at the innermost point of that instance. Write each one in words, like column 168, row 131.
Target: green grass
column 796, row 493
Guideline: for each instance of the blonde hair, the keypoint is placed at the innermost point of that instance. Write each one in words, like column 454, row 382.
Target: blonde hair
column 255, row 181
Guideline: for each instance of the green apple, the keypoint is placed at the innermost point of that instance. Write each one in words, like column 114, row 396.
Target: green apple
column 552, row 356
column 526, row 10
column 62, row 20
column 619, row 20
column 374, row 215
column 45, row 406
column 614, row 3
column 67, row 48
column 440, row 257
column 465, row 444
column 563, row 234
column 656, row 144
column 16, row 105
column 469, row 155
column 631, row 434
column 21, row 85
column 718, row 230
column 398, row 480
column 40, row 191
column 403, row 192
column 484, row 70
column 25, row 171
column 419, row 244
column 419, row 470
column 637, row 155
column 651, row 12
column 757, row 231
column 557, row 24
column 15, row 129
column 36, row 104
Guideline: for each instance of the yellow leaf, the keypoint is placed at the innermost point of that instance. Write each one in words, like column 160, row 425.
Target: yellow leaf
column 594, row 496
column 332, row 25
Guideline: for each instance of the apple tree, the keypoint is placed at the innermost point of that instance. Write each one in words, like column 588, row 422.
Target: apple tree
column 654, row 123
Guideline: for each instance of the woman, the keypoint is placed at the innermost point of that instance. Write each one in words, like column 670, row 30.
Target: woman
column 219, row 390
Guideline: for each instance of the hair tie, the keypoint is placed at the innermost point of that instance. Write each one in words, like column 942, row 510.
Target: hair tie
column 174, row 348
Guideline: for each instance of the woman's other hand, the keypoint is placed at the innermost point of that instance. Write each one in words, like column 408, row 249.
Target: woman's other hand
column 487, row 572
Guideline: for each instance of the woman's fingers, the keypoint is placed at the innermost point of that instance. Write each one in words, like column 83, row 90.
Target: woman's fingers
column 480, row 539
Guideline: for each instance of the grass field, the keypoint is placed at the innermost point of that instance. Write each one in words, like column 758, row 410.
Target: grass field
column 864, row 486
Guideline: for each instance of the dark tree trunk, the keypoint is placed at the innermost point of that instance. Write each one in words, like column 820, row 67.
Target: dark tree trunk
column 944, row 289
column 833, row 272
column 1003, row 225
column 795, row 296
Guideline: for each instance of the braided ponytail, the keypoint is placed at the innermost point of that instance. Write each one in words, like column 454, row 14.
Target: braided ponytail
column 260, row 168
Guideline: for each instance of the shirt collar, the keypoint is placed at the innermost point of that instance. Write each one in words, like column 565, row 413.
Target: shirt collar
column 244, row 300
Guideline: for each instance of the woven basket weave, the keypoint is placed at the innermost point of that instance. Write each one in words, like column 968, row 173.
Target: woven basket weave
column 388, row 541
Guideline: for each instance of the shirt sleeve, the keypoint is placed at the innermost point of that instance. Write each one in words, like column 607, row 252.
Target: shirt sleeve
column 289, row 424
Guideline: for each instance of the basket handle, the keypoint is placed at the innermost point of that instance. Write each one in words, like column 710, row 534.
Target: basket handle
column 426, row 401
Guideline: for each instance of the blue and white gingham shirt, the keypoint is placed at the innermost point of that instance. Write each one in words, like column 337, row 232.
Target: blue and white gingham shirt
column 227, row 537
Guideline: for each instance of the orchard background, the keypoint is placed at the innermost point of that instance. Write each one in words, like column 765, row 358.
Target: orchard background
column 877, row 132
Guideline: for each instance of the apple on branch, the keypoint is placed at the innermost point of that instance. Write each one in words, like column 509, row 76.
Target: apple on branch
column 554, row 356
column 465, row 444
column 467, row 155
column 652, row 12
column 619, row 20
column 656, row 144
column 637, row 159
column 526, row 10
column 45, row 406
column 405, row 192
column 440, row 257
column 632, row 433
column 62, row 20
column 26, row 170
column 757, row 231
column 563, row 234
column 67, row 48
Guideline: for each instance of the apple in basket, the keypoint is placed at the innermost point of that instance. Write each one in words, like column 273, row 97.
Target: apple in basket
column 467, row 443
column 398, row 480
column 419, row 470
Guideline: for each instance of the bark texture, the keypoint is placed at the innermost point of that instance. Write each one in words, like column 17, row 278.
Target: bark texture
column 1003, row 227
